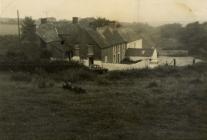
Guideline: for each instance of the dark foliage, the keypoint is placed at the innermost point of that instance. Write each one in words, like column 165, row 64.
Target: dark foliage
column 33, row 66
column 191, row 37
column 101, row 22
column 28, row 30
column 69, row 86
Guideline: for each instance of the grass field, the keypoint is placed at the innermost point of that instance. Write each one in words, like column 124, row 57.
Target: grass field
column 8, row 29
column 121, row 105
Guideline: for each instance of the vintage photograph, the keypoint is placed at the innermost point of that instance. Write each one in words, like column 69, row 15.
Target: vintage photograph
column 103, row 69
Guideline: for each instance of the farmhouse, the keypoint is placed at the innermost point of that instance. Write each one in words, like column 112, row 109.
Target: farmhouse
column 80, row 42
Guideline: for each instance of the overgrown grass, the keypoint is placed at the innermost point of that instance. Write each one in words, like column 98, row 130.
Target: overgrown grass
column 157, row 105
column 21, row 77
column 162, row 71
column 74, row 75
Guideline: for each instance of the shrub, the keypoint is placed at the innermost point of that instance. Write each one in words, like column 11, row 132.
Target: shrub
column 21, row 77
column 75, row 89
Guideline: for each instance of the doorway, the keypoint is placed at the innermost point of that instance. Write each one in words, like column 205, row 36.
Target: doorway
column 91, row 61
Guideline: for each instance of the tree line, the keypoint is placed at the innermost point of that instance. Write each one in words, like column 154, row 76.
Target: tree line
column 192, row 37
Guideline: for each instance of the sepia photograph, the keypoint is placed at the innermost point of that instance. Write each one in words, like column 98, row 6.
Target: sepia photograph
column 103, row 69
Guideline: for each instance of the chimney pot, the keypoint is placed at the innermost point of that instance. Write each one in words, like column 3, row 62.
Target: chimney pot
column 75, row 20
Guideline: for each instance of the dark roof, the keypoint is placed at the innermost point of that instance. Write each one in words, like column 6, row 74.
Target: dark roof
column 68, row 29
column 97, row 37
column 133, row 52
column 48, row 33
column 104, row 37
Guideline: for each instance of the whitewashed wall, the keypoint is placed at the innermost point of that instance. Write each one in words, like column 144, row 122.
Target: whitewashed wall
column 135, row 44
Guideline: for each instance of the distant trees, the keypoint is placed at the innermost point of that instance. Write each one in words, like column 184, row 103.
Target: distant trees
column 194, row 36
column 101, row 22
column 171, row 31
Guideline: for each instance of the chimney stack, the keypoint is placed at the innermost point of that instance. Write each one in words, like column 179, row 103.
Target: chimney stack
column 75, row 20
column 43, row 20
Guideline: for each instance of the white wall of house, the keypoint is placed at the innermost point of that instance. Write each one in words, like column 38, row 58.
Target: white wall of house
column 135, row 44
column 153, row 58
column 76, row 58
column 96, row 62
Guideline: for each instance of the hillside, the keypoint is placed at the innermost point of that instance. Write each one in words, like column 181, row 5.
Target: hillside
column 160, row 104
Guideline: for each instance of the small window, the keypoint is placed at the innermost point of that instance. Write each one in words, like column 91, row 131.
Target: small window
column 62, row 42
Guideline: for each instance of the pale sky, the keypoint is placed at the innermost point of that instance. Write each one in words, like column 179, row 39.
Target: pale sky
column 150, row 11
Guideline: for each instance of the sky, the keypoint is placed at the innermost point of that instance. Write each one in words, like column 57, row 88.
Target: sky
column 154, row 12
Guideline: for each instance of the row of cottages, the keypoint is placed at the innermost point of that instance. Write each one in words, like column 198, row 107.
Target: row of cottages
column 78, row 41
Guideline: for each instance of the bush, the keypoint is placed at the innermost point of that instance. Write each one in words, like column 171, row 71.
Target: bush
column 32, row 66
column 69, row 86
column 21, row 77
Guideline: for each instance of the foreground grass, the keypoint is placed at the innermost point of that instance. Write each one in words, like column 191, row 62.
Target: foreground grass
column 171, row 105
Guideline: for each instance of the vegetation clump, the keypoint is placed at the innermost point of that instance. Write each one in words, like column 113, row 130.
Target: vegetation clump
column 69, row 86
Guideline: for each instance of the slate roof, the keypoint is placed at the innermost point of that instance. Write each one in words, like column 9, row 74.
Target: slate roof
column 48, row 33
column 133, row 52
column 97, row 37
column 104, row 37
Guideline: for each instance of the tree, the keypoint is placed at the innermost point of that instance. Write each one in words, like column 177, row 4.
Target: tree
column 101, row 22
column 28, row 30
column 170, row 31
column 194, row 37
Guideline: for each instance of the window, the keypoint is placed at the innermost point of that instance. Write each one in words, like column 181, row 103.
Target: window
column 118, row 58
column 114, row 58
